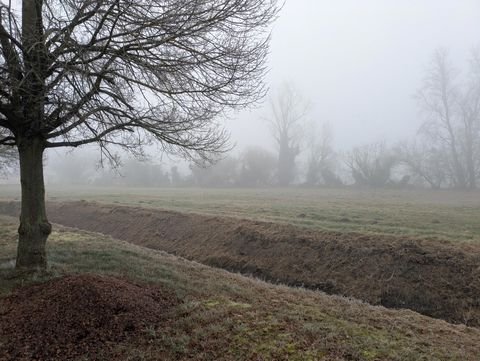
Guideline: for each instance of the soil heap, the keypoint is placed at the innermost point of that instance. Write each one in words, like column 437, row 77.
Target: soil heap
column 78, row 316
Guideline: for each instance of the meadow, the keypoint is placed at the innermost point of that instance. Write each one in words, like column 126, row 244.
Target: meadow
column 219, row 315
column 444, row 214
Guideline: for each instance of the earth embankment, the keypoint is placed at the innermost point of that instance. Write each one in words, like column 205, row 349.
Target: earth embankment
column 438, row 279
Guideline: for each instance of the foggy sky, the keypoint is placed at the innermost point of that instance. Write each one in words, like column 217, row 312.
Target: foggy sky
column 360, row 63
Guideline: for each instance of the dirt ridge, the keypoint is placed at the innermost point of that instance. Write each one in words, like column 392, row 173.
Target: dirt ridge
column 438, row 279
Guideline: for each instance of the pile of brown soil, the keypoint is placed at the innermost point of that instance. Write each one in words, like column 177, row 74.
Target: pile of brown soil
column 78, row 316
column 438, row 279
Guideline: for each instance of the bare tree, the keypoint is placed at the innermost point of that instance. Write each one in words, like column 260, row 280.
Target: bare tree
column 470, row 122
column 321, row 155
column 223, row 173
column 126, row 73
column 176, row 179
column 257, row 167
column 426, row 163
column 288, row 113
column 440, row 97
column 371, row 165
column 452, row 124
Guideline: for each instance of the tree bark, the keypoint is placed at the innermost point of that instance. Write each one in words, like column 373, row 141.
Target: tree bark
column 34, row 226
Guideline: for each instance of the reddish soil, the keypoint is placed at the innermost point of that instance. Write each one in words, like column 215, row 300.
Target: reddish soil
column 78, row 316
column 438, row 279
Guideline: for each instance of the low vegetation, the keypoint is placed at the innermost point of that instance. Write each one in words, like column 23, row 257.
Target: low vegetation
column 445, row 215
column 220, row 315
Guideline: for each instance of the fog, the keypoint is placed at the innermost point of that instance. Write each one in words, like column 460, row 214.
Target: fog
column 361, row 62
column 358, row 66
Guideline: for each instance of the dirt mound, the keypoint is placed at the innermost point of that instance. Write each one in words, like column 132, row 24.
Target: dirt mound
column 77, row 316
column 438, row 279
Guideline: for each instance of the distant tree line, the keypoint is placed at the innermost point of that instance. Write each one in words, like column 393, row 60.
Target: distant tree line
column 444, row 154
column 447, row 151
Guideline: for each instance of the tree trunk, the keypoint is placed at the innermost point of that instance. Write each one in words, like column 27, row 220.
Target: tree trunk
column 34, row 226
column 471, row 169
column 472, row 181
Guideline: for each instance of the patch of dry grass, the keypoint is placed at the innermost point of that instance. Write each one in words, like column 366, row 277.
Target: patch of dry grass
column 229, row 317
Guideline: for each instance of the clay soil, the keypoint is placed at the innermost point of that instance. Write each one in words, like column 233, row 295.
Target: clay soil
column 78, row 316
column 438, row 279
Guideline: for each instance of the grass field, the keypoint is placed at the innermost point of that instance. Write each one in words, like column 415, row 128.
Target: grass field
column 225, row 316
column 230, row 317
column 446, row 215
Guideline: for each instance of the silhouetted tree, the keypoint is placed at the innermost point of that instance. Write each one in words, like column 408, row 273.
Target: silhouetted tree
column 470, row 122
column 320, row 158
column 257, row 167
column 288, row 112
column 223, row 173
column 452, row 119
column 122, row 72
column 371, row 165
column 439, row 98
column 175, row 176
column 425, row 162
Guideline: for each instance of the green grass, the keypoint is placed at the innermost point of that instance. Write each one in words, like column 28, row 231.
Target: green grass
column 447, row 215
column 224, row 316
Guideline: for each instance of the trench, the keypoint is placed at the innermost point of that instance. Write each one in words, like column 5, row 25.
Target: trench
column 435, row 278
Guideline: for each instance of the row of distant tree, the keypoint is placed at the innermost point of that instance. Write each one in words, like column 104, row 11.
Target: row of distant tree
column 371, row 165
column 445, row 153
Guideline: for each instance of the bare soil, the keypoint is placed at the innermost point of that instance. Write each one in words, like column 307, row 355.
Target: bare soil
column 78, row 316
column 438, row 279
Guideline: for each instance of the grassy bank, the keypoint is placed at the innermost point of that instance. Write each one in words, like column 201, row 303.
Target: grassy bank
column 226, row 316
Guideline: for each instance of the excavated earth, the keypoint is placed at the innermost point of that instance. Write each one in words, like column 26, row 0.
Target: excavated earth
column 79, row 317
column 438, row 279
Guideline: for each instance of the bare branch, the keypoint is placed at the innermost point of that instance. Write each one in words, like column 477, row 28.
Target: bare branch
column 117, row 71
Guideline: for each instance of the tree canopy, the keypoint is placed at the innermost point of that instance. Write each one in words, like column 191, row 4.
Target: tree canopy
column 125, row 73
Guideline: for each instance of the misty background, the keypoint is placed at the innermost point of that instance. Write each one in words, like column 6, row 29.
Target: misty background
column 356, row 69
